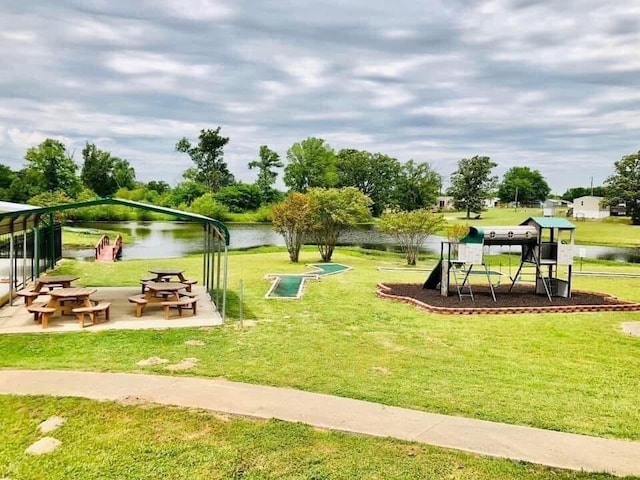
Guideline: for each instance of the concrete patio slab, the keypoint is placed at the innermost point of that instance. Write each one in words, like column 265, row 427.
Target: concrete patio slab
column 16, row 318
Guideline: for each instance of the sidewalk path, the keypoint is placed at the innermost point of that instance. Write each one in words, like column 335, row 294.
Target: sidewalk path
column 557, row 449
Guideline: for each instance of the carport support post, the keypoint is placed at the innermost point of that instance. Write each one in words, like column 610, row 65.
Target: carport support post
column 52, row 243
column 224, row 285
column 204, row 255
column 36, row 252
column 218, row 273
column 11, row 264
column 24, row 255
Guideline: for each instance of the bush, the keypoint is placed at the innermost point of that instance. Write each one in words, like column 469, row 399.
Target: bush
column 206, row 205
column 264, row 214
column 240, row 197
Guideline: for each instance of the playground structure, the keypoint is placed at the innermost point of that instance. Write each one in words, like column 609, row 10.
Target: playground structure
column 545, row 243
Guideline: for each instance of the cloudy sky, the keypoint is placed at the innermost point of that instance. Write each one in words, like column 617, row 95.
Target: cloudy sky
column 550, row 84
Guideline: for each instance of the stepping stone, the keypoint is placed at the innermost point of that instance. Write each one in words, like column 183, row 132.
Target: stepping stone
column 632, row 328
column 43, row 446
column 151, row 361
column 51, row 423
column 195, row 343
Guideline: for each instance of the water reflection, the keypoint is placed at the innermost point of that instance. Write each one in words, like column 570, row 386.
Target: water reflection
column 175, row 239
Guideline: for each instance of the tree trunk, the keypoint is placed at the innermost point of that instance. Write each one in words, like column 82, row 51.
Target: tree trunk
column 468, row 212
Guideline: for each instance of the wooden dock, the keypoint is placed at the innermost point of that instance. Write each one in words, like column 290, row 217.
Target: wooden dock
column 107, row 251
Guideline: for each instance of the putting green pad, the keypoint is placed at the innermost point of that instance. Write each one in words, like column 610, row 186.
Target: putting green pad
column 291, row 285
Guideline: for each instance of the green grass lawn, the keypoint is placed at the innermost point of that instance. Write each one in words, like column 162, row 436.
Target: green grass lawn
column 614, row 231
column 575, row 373
column 106, row 440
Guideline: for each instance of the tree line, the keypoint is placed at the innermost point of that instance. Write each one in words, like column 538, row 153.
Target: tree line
column 50, row 175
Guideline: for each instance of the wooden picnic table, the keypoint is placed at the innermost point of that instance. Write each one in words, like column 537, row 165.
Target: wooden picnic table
column 153, row 295
column 79, row 295
column 54, row 280
column 163, row 274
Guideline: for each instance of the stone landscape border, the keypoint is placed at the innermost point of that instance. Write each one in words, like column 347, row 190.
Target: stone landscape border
column 383, row 291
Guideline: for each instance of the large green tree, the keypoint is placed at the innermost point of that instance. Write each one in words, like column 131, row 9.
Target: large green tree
column 417, row 186
column 104, row 173
column 26, row 184
column 576, row 192
column 527, row 185
column 6, row 177
column 374, row 174
column 472, row 183
column 268, row 161
column 333, row 210
column 310, row 163
column 54, row 165
column 208, row 157
column 624, row 185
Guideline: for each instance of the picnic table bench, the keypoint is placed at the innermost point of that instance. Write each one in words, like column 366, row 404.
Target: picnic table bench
column 93, row 312
column 41, row 313
column 188, row 303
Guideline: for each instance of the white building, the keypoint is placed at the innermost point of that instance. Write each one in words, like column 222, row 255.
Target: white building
column 589, row 207
column 490, row 202
column 445, row 203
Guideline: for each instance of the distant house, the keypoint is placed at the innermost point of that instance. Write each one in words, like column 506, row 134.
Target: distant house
column 550, row 206
column 445, row 203
column 589, row 207
column 491, row 202
column 619, row 210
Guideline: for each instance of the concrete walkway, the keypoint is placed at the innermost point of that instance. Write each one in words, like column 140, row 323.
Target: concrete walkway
column 557, row 449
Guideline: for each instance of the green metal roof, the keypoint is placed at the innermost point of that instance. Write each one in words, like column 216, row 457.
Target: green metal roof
column 550, row 222
column 28, row 218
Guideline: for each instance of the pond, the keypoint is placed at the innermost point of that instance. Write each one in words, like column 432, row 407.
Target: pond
column 175, row 239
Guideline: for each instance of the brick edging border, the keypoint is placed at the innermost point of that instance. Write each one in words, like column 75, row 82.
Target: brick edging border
column 383, row 291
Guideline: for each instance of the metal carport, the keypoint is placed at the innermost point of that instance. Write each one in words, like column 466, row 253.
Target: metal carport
column 19, row 222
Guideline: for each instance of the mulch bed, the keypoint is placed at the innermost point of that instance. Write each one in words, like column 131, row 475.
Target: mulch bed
column 522, row 299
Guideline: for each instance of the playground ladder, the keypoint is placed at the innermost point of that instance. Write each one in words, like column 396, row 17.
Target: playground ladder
column 464, row 288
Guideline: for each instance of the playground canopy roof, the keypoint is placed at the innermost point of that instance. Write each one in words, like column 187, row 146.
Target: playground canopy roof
column 28, row 216
column 550, row 222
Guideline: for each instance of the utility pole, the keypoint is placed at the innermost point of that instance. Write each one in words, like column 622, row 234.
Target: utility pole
column 592, row 186
column 516, row 207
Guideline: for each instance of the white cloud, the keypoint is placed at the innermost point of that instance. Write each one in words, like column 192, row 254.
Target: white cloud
column 119, row 33
column 22, row 36
column 144, row 63
column 196, row 10
column 306, row 71
column 27, row 139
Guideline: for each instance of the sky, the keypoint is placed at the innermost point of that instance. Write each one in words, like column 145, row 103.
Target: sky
column 553, row 85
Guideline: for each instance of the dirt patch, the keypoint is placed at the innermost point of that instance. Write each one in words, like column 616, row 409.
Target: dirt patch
column 132, row 401
column 152, row 361
column 185, row 364
column 522, row 299
column 195, row 343
column 381, row 370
